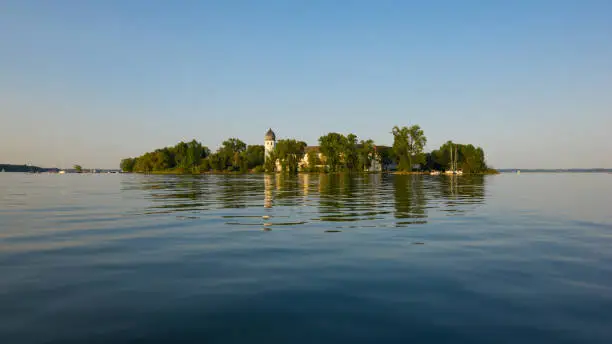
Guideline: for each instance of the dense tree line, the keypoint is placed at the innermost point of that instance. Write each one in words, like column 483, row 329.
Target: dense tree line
column 469, row 159
column 338, row 153
column 192, row 157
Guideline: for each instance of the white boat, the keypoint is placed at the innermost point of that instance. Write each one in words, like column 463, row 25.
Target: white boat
column 62, row 172
column 453, row 169
column 3, row 170
column 435, row 173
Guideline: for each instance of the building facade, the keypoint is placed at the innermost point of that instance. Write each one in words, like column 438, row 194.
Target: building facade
column 269, row 143
column 376, row 164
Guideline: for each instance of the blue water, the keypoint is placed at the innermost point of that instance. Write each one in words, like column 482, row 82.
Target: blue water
column 308, row 259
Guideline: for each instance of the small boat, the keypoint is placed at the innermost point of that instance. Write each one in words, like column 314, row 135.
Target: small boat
column 3, row 170
column 518, row 171
column 435, row 173
column 62, row 172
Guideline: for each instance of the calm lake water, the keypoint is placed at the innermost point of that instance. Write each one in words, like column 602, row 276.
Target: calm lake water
column 307, row 259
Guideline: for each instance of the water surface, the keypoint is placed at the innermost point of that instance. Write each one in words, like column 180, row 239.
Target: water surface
column 306, row 259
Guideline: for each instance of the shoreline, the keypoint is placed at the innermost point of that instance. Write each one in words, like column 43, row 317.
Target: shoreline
column 281, row 173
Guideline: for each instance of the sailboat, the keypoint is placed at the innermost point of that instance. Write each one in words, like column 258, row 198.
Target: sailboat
column 458, row 172
column 453, row 167
column 451, row 161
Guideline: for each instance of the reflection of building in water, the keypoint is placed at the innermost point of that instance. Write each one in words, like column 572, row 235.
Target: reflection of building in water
column 267, row 191
column 305, row 179
column 376, row 165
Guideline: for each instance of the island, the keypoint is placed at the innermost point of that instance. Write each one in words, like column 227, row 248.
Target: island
column 335, row 152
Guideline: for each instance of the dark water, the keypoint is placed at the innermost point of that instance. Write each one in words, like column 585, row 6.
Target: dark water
column 128, row 258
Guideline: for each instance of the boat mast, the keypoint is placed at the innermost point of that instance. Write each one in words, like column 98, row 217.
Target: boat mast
column 451, row 157
column 455, row 164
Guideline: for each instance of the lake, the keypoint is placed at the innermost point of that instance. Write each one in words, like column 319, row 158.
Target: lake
column 306, row 259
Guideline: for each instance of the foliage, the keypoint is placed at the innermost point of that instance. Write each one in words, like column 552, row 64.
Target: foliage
column 386, row 156
column 470, row 159
column 350, row 153
column 289, row 153
column 338, row 153
column 270, row 162
column 313, row 160
column 365, row 154
column 78, row 168
column 254, row 155
column 332, row 146
column 183, row 156
column 408, row 145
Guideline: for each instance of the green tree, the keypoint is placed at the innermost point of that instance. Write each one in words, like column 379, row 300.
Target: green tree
column 313, row 161
column 194, row 154
column 332, row 146
column 228, row 151
column 78, row 168
column 180, row 155
column 216, row 162
column 365, row 154
column 205, row 165
column 127, row 165
column 289, row 152
column 270, row 163
column 254, row 155
column 469, row 159
column 350, row 153
column 408, row 145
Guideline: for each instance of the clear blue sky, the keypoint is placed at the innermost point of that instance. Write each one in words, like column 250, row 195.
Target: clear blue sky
column 90, row 82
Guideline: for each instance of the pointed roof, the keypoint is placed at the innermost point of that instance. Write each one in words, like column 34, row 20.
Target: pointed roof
column 270, row 136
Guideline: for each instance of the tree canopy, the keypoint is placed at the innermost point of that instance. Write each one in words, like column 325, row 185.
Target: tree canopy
column 289, row 152
column 470, row 159
column 408, row 145
column 338, row 153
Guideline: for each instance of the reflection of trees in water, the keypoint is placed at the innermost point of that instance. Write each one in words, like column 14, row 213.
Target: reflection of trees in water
column 170, row 194
column 348, row 197
column 285, row 189
column 238, row 191
column 456, row 192
column 329, row 197
column 410, row 200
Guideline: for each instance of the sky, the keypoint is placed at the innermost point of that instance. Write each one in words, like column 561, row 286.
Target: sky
column 92, row 82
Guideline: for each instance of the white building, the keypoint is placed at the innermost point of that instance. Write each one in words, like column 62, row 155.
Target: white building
column 270, row 143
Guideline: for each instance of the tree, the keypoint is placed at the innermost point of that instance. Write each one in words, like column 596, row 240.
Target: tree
column 228, row 151
column 386, row 156
column 313, row 161
column 205, row 165
column 365, row 154
column 350, row 152
column 78, row 168
column 254, row 155
column 127, row 165
column 470, row 159
column 193, row 156
column 332, row 146
column 216, row 162
column 270, row 163
column 289, row 152
column 408, row 145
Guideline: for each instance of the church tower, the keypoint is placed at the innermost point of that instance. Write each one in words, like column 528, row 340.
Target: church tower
column 269, row 142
